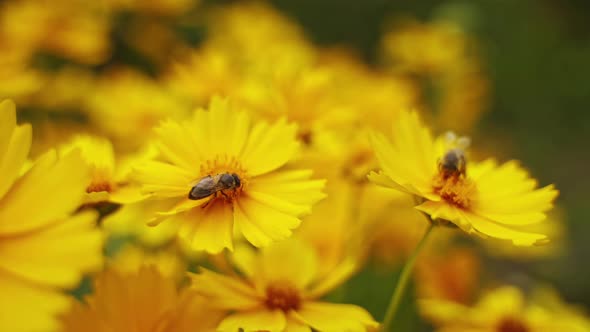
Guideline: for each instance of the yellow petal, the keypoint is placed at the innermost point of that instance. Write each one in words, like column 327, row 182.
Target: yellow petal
column 258, row 320
column 331, row 317
column 290, row 261
column 335, row 278
column 486, row 227
column 261, row 223
column 225, row 292
column 295, row 325
column 441, row 311
column 209, row 228
column 55, row 255
column 177, row 146
column 134, row 302
column 14, row 156
column 291, row 192
column 163, row 180
column 127, row 195
column 507, row 195
column 410, row 158
column 261, row 154
column 25, row 307
column 7, row 124
column 54, row 186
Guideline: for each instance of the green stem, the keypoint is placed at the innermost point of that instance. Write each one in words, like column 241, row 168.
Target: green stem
column 402, row 283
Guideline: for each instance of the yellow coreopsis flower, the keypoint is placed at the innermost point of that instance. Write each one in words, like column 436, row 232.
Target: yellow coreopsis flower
column 225, row 171
column 140, row 301
column 108, row 180
column 481, row 198
column 504, row 309
column 280, row 292
column 42, row 248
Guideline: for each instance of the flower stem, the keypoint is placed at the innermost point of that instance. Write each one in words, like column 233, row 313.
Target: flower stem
column 402, row 282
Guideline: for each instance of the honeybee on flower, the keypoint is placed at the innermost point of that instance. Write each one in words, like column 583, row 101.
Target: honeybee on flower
column 224, row 173
column 481, row 198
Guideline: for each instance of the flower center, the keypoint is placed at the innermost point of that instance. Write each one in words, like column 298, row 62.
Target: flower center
column 282, row 296
column 511, row 325
column 455, row 190
column 223, row 177
column 223, row 164
column 100, row 182
column 451, row 183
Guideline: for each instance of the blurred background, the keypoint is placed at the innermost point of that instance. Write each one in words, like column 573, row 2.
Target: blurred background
column 520, row 88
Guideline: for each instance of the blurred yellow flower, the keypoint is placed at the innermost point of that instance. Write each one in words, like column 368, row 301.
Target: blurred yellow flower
column 108, row 181
column 140, row 301
column 126, row 105
column 43, row 249
column 280, row 291
column 481, row 198
column 504, row 309
column 225, row 171
column 74, row 29
column 131, row 259
column 451, row 274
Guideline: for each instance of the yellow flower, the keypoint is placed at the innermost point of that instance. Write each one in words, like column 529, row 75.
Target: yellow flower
column 279, row 292
column 126, row 105
column 224, row 172
column 140, row 301
column 42, row 248
column 452, row 274
column 481, row 198
column 505, row 309
column 108, row 182
column 131, row 259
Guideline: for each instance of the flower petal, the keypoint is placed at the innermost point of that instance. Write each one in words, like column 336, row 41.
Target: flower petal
column 332, row 317
column 56, row 255
column 290, row 260
column 295, row 325
column 507, row 195
column 209, row 228
column 291, row 192
column 54, row 186
column 261, row 223
column 410, row 158
column 258, row 320
column 164, row 180
column 225, row 292
column 261, row 155
column 26, row 307
column 14, row 156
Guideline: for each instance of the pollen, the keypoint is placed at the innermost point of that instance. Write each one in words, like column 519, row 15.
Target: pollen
column 283, row 296
column 457, row 190
column 224, row 164
column 100, row 183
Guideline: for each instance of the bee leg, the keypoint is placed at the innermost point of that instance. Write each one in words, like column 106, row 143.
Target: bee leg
column 225, row 195
column 206, row 204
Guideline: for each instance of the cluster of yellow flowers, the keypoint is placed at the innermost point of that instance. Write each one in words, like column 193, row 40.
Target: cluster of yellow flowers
column 231, row 186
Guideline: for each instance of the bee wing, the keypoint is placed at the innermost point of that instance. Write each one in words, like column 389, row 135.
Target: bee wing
column 205, row 187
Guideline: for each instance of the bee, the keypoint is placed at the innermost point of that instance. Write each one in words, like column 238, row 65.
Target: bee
column 213, row 184
column 454, row 162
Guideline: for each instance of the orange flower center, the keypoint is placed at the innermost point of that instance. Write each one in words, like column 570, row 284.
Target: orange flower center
column 456, row 189
column 283, row 296
column 100, row 182
column 511, row 325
